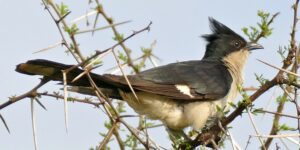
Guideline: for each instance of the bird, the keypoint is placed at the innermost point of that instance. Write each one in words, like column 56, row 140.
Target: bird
column 182, row 94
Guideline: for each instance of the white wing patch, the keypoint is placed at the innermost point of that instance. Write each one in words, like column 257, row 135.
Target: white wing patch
column 184, row 89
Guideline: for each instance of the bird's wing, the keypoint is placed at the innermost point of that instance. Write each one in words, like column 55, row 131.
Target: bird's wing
column 191, row 80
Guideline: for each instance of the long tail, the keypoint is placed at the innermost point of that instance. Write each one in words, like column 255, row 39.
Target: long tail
column 53, row 71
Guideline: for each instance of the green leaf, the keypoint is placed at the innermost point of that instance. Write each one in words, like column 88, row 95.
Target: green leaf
column 285, row 127
column 62, row 8
column 257, row 111
column 131, row 141
column 260, row 79
column 232, row 105
column 282, row 52
column 107, row 125
column 263, row 28
column 121, row 107
column 281, row 98
column 118, row 37
column 122, row 56
column 72, row 30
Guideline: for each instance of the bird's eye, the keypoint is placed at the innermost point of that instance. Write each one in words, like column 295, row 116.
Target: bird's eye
column 236, row 44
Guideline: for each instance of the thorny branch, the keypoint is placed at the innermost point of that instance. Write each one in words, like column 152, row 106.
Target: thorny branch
column 64, row 41
column 104, row 102
column 110, row 21
column 30, row 94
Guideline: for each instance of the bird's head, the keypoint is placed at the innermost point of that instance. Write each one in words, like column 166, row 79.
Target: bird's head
column 223, row 41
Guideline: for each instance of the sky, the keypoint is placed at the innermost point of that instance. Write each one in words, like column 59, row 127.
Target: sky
column 177, row 26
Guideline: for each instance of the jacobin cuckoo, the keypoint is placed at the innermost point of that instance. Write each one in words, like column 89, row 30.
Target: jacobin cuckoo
column 179, row 94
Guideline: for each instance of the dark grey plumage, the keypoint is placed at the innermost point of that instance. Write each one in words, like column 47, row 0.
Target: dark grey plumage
column 208, row 79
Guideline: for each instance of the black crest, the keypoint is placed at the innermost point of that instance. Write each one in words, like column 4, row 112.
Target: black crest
column 217, row 29
column 220, row 39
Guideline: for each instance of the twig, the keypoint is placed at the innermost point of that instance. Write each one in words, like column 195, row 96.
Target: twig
column 86, row 101
column 293, row 52
column 252, row 98
column 59, row 29
column 101, row 28
column 135, row 133
column 147, row 28
column 116, row 69
column 280, row 114
column 126, row 50
column 293, row 141
column 274, row 129
column 283, row 143
column 71, row 36
column 62, row 17
column 119, row 140
column 99, row 8
column 269, row 22
column 233, row 142
column 255, row 128
column 107, row 137
column 248, row 142
column 277, row 136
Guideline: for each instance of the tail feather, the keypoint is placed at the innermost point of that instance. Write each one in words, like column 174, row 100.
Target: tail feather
column 111, row 93
column 50, row 69
column 53, row 71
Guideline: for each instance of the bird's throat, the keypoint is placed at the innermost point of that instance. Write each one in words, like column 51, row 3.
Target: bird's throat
column 235, row 63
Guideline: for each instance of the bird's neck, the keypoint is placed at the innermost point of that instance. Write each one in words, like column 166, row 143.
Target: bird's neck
column 235, row 63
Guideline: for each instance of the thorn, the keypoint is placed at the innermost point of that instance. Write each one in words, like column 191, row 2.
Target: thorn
column 286, row 71
column 65, row 99
column 49, row 47
column 33, row 124
column 41, row 104
column 5, row 124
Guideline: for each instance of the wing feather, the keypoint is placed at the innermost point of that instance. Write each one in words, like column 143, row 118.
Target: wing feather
column 207, row 80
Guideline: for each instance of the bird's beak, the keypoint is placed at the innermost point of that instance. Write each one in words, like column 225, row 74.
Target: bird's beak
column 252, row 46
